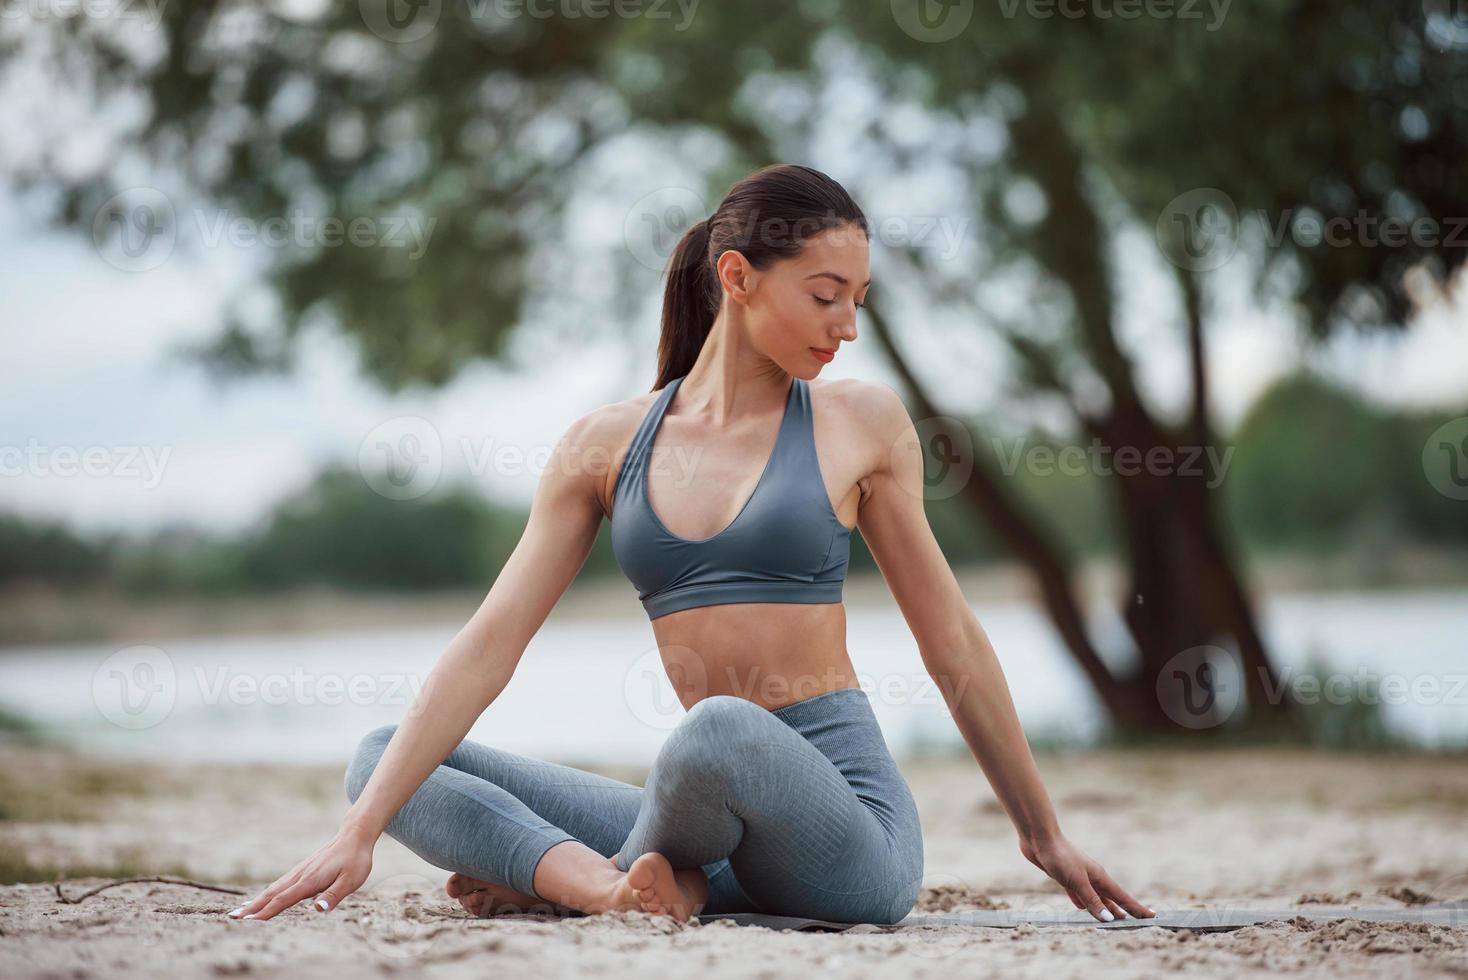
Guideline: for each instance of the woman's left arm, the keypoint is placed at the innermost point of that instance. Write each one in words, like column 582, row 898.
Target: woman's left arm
column 960, row 659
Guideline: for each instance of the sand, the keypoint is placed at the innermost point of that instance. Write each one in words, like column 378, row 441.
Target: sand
column 1181, row 829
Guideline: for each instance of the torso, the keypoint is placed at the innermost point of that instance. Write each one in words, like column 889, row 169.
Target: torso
column 770, row 653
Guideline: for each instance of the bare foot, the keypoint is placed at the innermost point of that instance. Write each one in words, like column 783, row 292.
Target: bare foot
column 486, row 898
column 651, row 885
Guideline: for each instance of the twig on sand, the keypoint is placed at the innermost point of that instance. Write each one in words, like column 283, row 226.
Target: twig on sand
column 62, row 897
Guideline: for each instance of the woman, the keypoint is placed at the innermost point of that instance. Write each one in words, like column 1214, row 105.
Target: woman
column 776, row 791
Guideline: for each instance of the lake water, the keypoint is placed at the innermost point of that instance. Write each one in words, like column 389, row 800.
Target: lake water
column 595, row 693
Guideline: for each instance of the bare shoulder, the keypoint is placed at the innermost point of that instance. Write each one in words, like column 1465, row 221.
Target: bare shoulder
column 600, row 439
column 871, row 407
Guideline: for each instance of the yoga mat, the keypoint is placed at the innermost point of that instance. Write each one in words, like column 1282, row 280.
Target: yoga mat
column 1450, row 914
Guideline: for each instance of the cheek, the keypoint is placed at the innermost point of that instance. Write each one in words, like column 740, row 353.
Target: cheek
column 788, row 326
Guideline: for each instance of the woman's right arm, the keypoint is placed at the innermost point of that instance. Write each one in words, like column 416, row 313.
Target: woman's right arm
column 564, row 518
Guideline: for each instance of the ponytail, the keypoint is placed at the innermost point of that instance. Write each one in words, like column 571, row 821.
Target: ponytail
column 766, row 217
column 690, row 303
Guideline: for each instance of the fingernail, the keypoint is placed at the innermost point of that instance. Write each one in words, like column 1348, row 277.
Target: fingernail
column 1106, row 915
column 323, row 905
column 250, row 916
column 236, row 912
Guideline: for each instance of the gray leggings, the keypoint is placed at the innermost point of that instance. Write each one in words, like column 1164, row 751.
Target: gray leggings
column 797, row 811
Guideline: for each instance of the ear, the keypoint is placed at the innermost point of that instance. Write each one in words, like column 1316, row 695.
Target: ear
column 736, row 275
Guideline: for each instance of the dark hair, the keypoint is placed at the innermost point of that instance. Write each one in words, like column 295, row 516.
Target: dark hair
column 767, row 216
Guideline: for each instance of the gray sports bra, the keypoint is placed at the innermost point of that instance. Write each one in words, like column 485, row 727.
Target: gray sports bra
column 785, row 544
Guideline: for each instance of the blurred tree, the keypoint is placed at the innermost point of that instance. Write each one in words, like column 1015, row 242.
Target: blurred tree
column 482, row 122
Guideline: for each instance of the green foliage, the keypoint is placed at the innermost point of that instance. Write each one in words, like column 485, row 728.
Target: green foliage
column 47, row 551
column 1315, row 466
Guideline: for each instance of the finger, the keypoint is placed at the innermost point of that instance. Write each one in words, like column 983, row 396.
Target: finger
column 1074, row 899
column 257, row 903
column 1112, row 890
column 333, row 896
column 1112, row 907
column 301, row 890
column 270, row 891
column 1093, row 903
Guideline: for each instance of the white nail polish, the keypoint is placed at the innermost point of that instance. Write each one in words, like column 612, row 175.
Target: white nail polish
column 323, row 905
column 1106, row 915
column 236, row 913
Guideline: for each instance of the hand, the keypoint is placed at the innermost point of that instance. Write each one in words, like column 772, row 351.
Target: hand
column 337, row 869
column 1085, row 881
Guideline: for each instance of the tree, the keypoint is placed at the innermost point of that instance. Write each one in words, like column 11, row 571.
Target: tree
column 484, row 123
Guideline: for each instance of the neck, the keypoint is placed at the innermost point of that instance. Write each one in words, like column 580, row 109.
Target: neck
column 730, row 379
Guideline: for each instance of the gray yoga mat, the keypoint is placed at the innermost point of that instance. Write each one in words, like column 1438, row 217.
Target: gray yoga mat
column 1450, row 914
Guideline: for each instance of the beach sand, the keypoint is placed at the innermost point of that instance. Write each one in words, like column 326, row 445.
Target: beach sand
column 1276, row 829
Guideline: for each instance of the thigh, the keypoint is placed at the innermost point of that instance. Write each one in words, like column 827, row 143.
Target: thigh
column 598, row 810
column 806, row 842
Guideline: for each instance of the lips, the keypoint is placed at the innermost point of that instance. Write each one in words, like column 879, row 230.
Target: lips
column 824, row 354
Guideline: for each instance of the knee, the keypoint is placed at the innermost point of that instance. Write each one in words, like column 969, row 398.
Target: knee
column 719, row 727
column 364, row 760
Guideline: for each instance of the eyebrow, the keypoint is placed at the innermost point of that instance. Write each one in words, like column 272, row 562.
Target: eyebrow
column 834, row 275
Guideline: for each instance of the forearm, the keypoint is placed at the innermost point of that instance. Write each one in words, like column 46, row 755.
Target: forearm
column 464, row 681
column 973, row 684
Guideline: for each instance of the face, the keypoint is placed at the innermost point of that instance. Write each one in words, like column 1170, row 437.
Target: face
column 801, row 310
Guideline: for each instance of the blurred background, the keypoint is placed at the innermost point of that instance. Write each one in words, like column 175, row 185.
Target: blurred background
column 298, row 297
